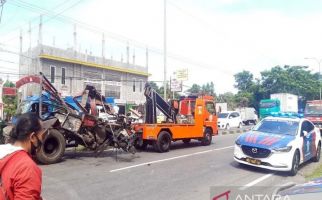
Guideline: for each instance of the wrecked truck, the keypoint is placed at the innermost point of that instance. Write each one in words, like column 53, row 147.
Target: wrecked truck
column 75, row 123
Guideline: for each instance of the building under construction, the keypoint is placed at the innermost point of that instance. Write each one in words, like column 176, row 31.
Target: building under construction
column 69, row 71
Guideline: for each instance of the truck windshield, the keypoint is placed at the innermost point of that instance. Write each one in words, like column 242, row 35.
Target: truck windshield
column 223, row 115
column 313, row 109
column 282, row 127
column 268, row 104
column 23, row 107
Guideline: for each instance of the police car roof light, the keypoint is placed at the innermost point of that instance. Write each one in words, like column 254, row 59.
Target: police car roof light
column 286, row 114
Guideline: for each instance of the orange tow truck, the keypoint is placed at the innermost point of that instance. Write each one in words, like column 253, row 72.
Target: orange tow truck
column 192, row 117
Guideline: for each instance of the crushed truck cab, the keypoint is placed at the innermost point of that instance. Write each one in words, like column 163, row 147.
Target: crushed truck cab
column 192, row 117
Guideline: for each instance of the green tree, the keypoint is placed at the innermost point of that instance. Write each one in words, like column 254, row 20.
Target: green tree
column 195, row 89
column 296, row 80
column 10, row 102
column 244, row 81
column 228, row 98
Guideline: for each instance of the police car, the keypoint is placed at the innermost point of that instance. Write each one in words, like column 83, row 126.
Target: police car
column 279, row 143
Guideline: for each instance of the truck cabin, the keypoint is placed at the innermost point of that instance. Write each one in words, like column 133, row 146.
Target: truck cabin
column 313, row 109
column 187, row 108
column 268, row 106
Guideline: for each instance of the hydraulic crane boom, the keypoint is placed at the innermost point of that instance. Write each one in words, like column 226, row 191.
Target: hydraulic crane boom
column 154, row 101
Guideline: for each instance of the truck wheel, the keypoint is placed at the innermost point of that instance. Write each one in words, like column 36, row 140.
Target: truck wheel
column 295, row 164
column 318, row 154
column 52, row 149
column 163, row 142
column 186, row 141
column 206, row 140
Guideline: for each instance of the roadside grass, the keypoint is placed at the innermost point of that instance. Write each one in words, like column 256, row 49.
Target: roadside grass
column 316, row 173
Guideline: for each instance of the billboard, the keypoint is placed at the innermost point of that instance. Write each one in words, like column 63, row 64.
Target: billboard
column 9, row 91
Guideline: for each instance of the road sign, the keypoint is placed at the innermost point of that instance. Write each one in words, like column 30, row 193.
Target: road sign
column 176, row 85
column 182, row 74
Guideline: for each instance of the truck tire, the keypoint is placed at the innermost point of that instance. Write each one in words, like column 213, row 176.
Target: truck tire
column 52, row 149
column 318, row 153
column 295, row 164
column 206, row 140
column 163, row 142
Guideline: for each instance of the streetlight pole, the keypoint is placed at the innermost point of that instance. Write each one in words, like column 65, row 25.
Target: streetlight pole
column 165, row 51
column 319, row 63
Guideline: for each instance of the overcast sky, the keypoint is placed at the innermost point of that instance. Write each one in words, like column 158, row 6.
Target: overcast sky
column 214, row 39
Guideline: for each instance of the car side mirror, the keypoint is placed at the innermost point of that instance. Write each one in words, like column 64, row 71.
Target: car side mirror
column 304, row 133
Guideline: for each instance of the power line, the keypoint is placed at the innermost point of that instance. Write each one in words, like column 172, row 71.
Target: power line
column 38, row 10
column 124, row 39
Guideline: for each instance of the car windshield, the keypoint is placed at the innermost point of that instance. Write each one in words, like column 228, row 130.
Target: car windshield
column 313, row 109
column 267, row 104
column 23, row 107
column 223, row 115
column 282, row 127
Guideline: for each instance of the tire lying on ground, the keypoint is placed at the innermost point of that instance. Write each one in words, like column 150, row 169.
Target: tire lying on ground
column 52, row 149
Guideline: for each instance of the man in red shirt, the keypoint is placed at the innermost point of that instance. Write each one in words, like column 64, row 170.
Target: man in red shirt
column 20, row 177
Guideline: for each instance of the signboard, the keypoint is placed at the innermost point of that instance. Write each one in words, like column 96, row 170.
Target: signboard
column 181, row 75
column 9, row 91
column 175, row 85
column 27, row 79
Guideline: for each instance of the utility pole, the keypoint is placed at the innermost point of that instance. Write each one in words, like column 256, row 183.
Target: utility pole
column 103, row 48
column 20, row 52
column 147, row 58
column 40, row 31
column 75, row 40
column 165, row 51
column 127, row 53
column 133, row 56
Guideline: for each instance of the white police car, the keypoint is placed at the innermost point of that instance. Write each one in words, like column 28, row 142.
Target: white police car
column 279, row 143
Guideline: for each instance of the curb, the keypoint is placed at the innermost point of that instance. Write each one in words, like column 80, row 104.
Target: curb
column 239, row 131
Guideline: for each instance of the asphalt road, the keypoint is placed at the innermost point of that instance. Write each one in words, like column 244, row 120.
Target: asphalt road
column 186, row 172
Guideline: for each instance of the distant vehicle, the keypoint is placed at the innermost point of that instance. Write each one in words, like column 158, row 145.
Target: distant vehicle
column 279, row 143
column 229, row 119
column 279, row 102
column 268, row 106
column 289, row 102
column 313, row 112
column 248, row 115
column 221, row 107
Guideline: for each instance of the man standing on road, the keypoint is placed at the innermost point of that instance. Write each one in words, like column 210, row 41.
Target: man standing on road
column 20, row 177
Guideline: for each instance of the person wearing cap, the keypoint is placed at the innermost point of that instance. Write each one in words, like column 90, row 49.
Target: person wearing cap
column 20, row 177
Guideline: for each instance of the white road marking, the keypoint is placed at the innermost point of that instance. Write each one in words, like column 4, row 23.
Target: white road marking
column 256, row 181
column 172, row 158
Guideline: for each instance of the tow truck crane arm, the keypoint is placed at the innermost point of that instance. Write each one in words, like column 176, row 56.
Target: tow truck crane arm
column 154, row 101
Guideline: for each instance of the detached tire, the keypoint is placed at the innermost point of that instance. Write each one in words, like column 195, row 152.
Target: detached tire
column 207, row 138
column 295, row 164
column 53, row 148
column 163, row 142
column 318, row 154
